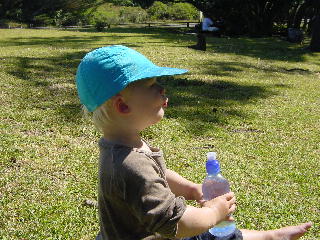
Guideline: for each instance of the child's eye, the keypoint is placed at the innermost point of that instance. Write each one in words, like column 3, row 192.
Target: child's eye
column 158, row 88
column 154, row 85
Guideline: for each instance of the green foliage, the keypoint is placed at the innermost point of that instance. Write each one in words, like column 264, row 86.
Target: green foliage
column 100, row 25
column 44, row 19
column 183, row 11
column 6, row 23
column 111, row 14
column 27, row 10
column 3, row 23
column 62, row 18
column 126, row 3
column 133, row 15
column 144, row 3
column 253, row 17
column 175, row 11
column 158, row 10
column 101, row 21
column 102, row 16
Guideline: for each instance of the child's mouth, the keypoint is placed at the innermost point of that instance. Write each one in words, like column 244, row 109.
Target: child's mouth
column 165, row 104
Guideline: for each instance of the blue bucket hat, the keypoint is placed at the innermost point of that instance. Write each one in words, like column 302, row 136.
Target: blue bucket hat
column 106, row 71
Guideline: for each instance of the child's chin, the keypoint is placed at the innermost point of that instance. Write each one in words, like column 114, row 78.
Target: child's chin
column 160, row 116
column 161, row 113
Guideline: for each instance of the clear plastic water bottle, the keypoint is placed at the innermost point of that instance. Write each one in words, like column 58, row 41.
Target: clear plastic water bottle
column 215, row 185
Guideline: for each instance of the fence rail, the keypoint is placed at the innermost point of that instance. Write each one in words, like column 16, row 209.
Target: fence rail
column 188, row 24
column 182, row 23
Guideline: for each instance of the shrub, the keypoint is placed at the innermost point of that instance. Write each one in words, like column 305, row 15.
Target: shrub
column 133, row 14
column 158, row 10
column 100, row 22
column 100, row 25
column 3, row 23
column 62, row 18
column 126, row 3
column 112, row 20
column 183, row 11
column 103, row 20
column 6, row 23
column 43, row 19
column 83, row 20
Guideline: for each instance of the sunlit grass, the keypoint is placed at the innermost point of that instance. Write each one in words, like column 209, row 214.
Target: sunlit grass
column 254, row 101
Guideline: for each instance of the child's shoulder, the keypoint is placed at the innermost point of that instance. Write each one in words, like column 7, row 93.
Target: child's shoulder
column 125, row 156
column 130, row 161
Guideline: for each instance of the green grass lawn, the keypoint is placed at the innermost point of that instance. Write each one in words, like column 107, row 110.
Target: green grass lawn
column 254, row 101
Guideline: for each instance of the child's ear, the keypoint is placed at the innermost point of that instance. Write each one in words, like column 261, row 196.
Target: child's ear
column 120, row 106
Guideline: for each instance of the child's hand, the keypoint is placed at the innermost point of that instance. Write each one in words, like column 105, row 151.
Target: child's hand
column 223, row 205
column 197, row 194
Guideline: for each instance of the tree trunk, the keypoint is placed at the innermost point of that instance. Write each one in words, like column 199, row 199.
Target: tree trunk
column 291, row 16
column 315, row 40
column 299, row 15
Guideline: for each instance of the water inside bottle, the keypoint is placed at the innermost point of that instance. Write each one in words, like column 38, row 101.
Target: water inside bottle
column 222, row 229
column 215, row 186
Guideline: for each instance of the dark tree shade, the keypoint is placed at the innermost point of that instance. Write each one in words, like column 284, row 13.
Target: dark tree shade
column 253, row 17
column 26, row 10
column 315, row 41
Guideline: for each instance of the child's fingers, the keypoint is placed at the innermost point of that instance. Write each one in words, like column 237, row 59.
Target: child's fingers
column 201, row 202
column 232, row 200
column 230, row 218
column 229, row 195
column 232, row 208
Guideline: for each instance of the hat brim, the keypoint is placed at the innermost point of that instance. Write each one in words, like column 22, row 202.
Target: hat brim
column 156, row 71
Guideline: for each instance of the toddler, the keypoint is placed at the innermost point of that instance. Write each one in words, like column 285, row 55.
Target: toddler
column 139, row 198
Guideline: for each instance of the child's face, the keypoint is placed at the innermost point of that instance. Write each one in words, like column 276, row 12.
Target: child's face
column 147, row 101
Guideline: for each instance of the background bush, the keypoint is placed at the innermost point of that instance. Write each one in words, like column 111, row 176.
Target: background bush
column 133, row 15
column 62, row 18
column 107, row 14
column 43, row 19
column 175, row 11
column 100, row 20
column 158, row 10
column 5, row 23
column 183, row 11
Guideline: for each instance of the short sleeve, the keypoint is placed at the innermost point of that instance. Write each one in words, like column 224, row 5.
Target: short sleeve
column 149, row 197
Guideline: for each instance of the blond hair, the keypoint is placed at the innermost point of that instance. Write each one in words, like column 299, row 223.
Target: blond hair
column 101, row 116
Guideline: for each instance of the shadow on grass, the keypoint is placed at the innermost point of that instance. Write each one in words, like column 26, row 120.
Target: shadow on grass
column 50, row 85
column 66, row 41
column 116, row 34
column 264, row 48
column 272, row 48
column 51, row 79
column 205, row 103
column 231, row 68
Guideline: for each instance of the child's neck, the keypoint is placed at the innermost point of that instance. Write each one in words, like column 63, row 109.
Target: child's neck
column 130, row 140
column 124, row 133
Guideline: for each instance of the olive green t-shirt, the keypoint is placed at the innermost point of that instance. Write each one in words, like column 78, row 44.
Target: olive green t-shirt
column 135, row 201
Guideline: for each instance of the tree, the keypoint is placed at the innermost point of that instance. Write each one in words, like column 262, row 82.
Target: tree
column 26, row 10
column 315, row 40
column 253, row 17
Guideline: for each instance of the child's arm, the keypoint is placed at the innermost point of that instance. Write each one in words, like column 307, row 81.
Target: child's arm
column 195, row 221
column 183, row 187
